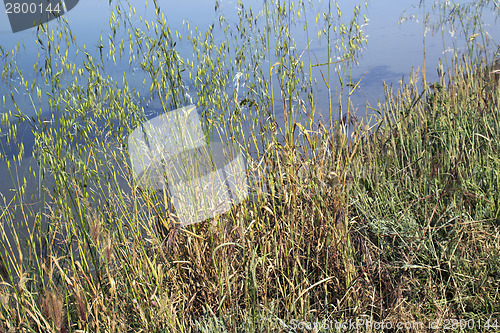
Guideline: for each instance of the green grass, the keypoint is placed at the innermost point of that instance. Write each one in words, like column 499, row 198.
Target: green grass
column 395, row 223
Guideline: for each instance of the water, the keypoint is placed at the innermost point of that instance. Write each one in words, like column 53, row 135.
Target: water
column 392, row 51
column 393, row 48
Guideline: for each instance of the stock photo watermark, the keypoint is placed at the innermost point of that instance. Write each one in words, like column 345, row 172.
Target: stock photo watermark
column 360, row 324
column 26, row 14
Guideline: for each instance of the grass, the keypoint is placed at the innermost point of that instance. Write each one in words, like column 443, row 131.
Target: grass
column 397, row 223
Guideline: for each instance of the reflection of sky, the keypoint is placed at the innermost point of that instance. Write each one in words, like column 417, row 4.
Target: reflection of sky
column 393, row 49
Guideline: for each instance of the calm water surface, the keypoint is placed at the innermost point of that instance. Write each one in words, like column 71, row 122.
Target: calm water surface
column 393, row 48
column 392, row 51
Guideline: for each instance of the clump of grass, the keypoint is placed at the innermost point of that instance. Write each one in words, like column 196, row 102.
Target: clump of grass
column 426, row 196
column 398, row 223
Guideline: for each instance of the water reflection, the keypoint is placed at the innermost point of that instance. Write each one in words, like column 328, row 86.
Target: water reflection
column 392, row 51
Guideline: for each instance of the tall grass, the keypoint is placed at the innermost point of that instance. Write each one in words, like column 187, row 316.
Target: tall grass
column 394, row 224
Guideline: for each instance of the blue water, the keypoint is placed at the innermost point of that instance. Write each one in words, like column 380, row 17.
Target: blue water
column 392, row 51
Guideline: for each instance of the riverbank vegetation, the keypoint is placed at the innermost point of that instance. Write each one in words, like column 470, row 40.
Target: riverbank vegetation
column 388, row 219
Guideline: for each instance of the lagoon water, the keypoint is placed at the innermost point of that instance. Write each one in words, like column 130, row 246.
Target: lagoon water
column 394, row 32
column 394, row 35
column 394, row 39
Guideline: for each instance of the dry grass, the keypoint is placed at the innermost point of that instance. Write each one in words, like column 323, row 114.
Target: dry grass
column 399, row 223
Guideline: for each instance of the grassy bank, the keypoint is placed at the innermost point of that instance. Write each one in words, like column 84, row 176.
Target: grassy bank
column 425, row 203
column 395, row 221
